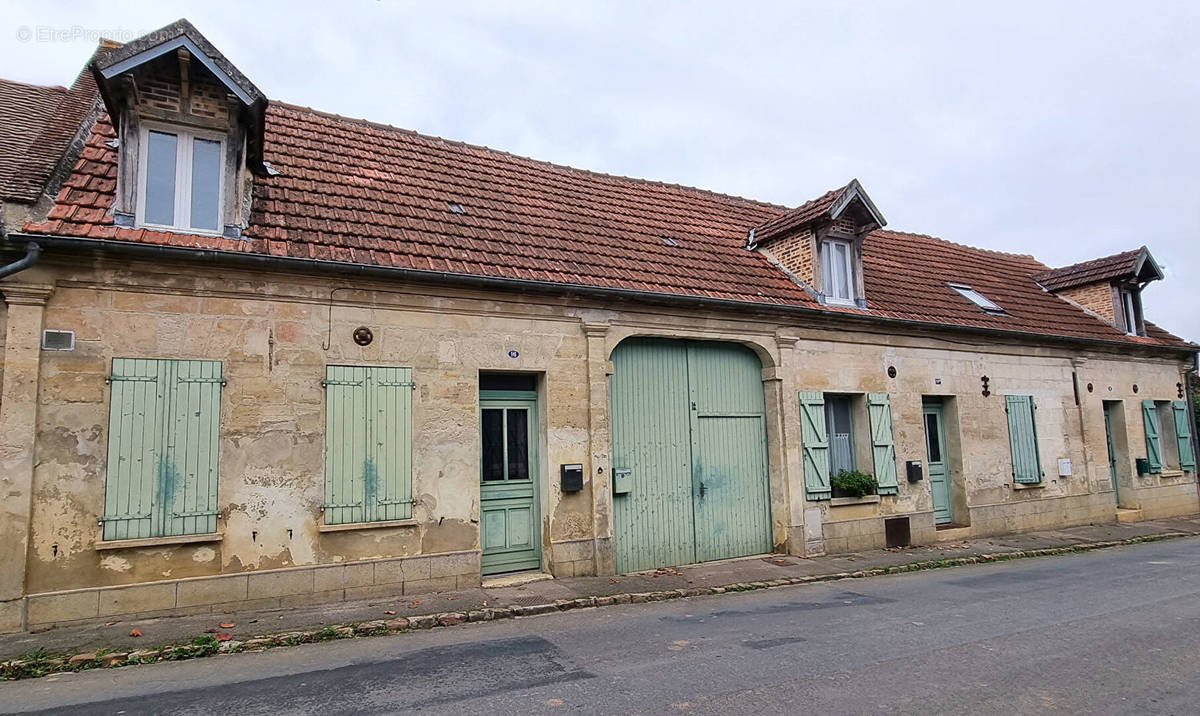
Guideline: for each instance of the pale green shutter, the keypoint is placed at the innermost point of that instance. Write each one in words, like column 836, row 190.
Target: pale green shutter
column 1153, row 447
column 368, row 444
column 1183, row 430
column 1022, row 438
column 816, row 445
column 163, row 438
column 884, row 445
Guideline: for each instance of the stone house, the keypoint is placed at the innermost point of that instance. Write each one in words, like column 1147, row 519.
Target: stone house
column 258, row 355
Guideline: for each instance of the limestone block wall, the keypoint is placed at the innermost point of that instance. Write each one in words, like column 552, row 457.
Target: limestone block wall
column 275, row 334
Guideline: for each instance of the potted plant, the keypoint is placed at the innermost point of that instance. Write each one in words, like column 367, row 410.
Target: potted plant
column 852, row 483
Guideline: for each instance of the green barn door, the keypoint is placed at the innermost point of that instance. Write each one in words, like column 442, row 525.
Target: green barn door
column 689, row 429
column 508, row 496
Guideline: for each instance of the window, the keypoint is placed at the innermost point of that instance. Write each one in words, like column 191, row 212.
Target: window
column 181, row 179
column 1023, row 439
column 163, row 440
column 833, row 429
column 368, row 444
column 837, row 266
column 1168, row 435
column 1129, row 313
column 976, row 297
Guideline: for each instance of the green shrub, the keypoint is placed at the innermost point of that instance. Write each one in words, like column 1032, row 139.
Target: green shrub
column 855, row 483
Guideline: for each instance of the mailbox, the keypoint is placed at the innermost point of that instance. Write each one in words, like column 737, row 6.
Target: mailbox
column 572, row 477
column 622, row 481
column 914, row 470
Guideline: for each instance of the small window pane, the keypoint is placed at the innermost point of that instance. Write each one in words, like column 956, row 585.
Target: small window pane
column 933, row 438
column 842, row 271
column 160, row 178
column 841, row 434
column 518, row 444
column 206, row 183
column 493, row 445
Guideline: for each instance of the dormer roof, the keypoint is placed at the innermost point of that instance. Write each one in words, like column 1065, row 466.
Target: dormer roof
column 111, row 63
column 826, row 208
column 1137, row 265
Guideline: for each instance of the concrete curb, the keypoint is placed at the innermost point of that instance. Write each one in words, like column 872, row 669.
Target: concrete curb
column 37, row 665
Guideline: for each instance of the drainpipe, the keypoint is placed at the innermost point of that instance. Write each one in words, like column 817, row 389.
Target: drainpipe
column 1191, row 410
column 32, row 251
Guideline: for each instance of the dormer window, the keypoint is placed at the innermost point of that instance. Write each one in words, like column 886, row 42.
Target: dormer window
column 181, row 179
column 1130, row 311
column 837, row 266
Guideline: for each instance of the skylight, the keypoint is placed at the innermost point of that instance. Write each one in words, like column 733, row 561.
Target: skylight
column 457, row 208
column 976, row 297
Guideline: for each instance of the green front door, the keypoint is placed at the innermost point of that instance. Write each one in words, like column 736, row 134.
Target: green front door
column 689, row 453
column 508, row 495
column 1112, row 451
column 935, row 462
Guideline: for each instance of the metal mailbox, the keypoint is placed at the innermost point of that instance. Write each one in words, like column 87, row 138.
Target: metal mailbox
column 914, row 470
column 622, row 481
column 572, row 477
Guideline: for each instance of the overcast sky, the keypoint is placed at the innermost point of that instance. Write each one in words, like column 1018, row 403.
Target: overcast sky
column 1069, row 130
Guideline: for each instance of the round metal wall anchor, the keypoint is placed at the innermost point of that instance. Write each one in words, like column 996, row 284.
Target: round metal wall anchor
column 1091, row 387
column 891, row 371
column 363, row 336
column 1135, row 388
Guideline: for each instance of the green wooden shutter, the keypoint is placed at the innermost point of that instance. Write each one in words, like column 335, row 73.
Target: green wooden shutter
column 880, row 407
column 368, row 444
column 1022, row 438
column 816, row 445
column 1153, row 446
column 1183, row 430
column 163, row 439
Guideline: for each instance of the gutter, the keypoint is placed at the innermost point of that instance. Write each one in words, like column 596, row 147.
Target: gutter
column 428, row 276
column 32, row 252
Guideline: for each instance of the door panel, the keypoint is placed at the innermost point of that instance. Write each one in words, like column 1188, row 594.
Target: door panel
column 935, row 460
column 688, row 422
column 652, row 524
column 508, row 499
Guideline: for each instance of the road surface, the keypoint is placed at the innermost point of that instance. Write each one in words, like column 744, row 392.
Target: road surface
column 1114, row 631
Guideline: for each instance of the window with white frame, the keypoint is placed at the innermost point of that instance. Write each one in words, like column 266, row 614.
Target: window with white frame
column 181, row 179
column 837, row 266
column 1130, row 320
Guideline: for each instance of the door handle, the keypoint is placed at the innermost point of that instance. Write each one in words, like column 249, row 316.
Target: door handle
column 703, row 490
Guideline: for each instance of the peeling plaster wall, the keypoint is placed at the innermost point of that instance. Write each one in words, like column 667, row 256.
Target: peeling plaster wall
column 269, row 329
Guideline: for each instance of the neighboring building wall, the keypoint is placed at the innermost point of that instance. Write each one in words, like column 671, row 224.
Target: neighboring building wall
column 1095, row 297
column 270, row 332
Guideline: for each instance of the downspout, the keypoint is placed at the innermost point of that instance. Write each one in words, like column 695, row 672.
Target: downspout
column 32, row 252
column 1191, row 416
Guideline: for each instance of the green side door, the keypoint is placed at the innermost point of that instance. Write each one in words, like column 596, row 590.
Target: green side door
column 935, row 462
column 1112, row 451
column 508, row 496
column 689, row 453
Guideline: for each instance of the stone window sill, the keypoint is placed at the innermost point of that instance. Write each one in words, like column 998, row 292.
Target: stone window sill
column 864, row 500
column 1171, row 473
column 157, row 541
column 367, row 525
column 1029, row 485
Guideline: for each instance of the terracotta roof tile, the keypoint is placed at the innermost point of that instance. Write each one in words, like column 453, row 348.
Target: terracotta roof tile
column 37, row 124
column 355, row 191
column 1102, row 269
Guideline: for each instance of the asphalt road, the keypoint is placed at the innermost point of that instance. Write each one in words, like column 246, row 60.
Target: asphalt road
column 1109, row 632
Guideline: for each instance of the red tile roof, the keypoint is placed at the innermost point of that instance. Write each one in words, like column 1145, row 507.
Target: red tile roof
column 802, row 215
column 36, row 126
column 1103, row 269
column 354, row 191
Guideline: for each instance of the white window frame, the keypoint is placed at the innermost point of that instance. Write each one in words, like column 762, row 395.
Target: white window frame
column 828, row 255
column 184, row 138
column 1129, row 310
column 977, row 298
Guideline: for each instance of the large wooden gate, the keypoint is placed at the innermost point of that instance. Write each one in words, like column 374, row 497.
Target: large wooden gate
column 689, row 444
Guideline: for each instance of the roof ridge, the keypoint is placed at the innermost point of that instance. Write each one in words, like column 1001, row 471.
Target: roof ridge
column 971, row 247
column 521, row 157
column 34, row 86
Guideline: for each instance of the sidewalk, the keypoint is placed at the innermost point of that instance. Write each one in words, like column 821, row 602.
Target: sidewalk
column 540, row 596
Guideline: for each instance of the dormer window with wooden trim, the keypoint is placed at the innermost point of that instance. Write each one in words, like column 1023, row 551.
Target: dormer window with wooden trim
column 182, row 177
column 190, row 133
column 837, row 270
column 1129, row 310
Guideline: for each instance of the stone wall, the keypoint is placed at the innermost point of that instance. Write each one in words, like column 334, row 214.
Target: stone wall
column 275, row 333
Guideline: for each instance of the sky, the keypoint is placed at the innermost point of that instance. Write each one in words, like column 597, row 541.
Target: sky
column 1066, row 130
